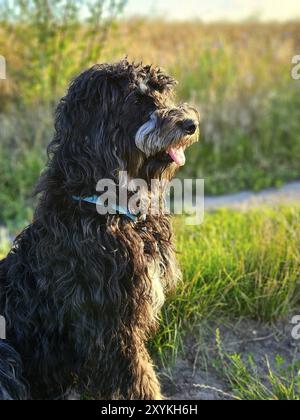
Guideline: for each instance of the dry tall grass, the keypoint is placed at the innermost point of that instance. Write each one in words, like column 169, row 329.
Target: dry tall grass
column 239, row 75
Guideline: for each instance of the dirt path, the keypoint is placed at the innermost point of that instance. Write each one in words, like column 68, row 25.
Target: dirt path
column 195, row 378
column 288, row 194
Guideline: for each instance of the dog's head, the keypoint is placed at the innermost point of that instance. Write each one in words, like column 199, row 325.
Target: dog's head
column 122, row 117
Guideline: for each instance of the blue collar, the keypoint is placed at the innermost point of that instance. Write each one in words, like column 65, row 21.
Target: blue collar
column 96, row 200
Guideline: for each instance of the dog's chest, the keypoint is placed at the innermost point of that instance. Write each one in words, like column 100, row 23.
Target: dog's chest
column 157, row 288
column 156, row 255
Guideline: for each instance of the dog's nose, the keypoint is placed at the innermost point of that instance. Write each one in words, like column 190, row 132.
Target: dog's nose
column 189, row 126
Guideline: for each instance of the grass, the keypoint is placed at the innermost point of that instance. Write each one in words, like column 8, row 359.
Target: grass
column 4, row 244
column 24, row 136
column 248, row 382
column 235, row 265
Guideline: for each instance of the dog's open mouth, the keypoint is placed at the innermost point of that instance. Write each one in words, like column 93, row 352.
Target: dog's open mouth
column 177, row 154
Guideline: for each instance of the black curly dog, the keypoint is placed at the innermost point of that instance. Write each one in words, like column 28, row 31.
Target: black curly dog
column 80, row 291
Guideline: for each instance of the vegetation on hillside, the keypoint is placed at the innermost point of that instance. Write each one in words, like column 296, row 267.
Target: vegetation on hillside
column 239, row 75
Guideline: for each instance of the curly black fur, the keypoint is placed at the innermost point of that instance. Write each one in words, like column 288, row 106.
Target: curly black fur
column 79, row 290
column 13, row 385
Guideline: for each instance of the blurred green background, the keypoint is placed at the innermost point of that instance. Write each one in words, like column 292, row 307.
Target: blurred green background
column 238, row 74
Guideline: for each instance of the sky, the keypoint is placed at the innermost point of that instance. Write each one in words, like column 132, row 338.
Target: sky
column 210, row 10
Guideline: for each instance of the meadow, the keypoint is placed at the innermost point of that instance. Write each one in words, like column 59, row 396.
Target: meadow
column 238, row 75
column 236, row 266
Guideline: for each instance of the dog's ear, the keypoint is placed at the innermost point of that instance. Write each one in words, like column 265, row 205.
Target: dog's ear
column 90, row 95
column 81, row 149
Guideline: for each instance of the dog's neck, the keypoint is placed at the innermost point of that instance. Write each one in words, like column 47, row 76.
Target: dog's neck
column 118, row 209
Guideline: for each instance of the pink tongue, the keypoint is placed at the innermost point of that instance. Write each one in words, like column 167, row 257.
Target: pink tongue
column 177, row 155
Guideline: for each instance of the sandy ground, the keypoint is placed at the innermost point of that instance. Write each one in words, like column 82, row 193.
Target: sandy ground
column 194, row 378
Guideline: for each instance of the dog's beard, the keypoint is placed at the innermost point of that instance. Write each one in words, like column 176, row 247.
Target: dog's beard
column 163, row 145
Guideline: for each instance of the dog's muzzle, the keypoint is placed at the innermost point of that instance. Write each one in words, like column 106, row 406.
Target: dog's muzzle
column 170, row 131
